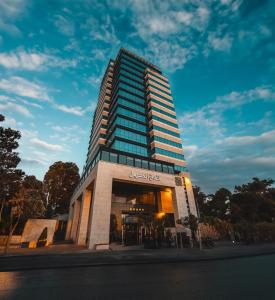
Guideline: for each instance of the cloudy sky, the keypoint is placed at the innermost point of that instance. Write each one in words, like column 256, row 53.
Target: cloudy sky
column 218, row 54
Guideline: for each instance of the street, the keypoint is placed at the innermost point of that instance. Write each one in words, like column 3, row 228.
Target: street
column 243, row 278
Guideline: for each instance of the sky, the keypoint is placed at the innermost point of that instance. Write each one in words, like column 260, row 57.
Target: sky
column 219, row 56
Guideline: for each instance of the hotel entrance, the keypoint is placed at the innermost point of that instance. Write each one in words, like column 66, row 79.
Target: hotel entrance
column 139, row 212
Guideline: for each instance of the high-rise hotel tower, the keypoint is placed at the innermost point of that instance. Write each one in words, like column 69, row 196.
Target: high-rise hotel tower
column 135, row 168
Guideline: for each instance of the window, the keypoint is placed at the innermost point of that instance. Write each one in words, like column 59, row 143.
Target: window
column 131, row 89
column 131, row 82
column 132, row 97
column 144, row 164
column 152, row 166
column 170, row 170
column 122, row 159
column 163, row 112
column 165, row 168
column 138, row 162
column 130, row 161
column 169, row 153
column 159, row 83
column 123, row 133
column 130, row 75
column 131, row 114
column 160, row 96
column 131, row 105
column 162, row 104
column 166, row 131
column 158, row 167
column 131, row 70
column 165, row 121
column 153, row 74
column 131, row 148
column 113, row 157
column 157, row 88
column 105, row 155
column 166, row 141
column 130, row 124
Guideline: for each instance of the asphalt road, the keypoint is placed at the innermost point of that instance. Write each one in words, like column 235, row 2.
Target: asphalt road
column 243, row 278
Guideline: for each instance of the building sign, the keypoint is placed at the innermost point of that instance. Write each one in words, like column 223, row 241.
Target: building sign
column 146, row 176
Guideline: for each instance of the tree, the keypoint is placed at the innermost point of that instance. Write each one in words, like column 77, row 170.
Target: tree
column 10, row 177
column 253, row 202
column 220, row 203
column 200, row 198
column 192, row 222
column 59, row 184
column 28, row 202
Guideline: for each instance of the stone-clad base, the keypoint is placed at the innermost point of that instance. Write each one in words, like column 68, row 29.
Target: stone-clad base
column 90, row 207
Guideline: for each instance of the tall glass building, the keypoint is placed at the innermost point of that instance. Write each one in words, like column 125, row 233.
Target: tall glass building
column 135, row 143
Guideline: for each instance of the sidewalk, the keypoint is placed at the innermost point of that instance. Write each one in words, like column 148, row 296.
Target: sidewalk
column 69, row 256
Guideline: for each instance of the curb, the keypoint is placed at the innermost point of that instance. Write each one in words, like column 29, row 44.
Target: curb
column 134, row 261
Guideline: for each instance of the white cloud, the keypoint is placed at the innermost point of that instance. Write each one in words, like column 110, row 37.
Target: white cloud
column 246, row 140
column 210, row 117
column 45, row 145
column 14, row 107
column 75, row 110
column 64, row 25
column 220, row 43
column 33, row 60
column 22, row 87
column 9, row 11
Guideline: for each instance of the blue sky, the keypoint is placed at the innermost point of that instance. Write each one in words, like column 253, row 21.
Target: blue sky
column 219, row 56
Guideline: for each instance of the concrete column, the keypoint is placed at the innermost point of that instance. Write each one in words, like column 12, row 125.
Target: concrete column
column 190, row 195
column 84, row 218
column 179, row 203
column 75, row 220
column 69, row 223
column 101, row 209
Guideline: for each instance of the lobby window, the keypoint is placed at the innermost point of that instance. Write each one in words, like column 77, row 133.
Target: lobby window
column 105, row 155
column 152, row 166
column 144, row 164
column 130, row 161
column 138, row 162
column 113, row 157
column 122, row 159
column 165, row 168
column 170, row 170
column 158, row 167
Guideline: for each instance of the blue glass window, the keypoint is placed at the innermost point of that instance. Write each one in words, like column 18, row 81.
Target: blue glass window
column 163, row 112
column 166, row 141
column 131, row 148
column 132, row 136
column 131, row 97
column 130, row 124
column 169, row 153
column 165, row 121
column 132, row 82
column 131, row 89
column 131, row 105
column 128, row 74
column 157, row 88
column 160, row 96
column 166, row 131
column 162, row 104
column 131, row 114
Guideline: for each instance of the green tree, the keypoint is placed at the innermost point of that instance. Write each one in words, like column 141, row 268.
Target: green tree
column 27, row 203
column 200, row 198
column 60, row 182
column 253, row 202
column 220, row 203
column 10, row 176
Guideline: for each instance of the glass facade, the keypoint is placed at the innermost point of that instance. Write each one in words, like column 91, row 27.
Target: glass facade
column 129, row 88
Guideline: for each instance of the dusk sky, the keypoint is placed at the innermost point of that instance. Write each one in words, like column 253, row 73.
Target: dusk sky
column 218, row 55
